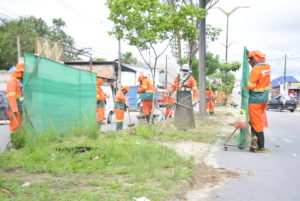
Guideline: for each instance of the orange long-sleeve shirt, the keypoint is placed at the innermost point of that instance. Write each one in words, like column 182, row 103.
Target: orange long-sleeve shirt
column 146, row 86
column 13, row 93
column 190, row 84
column 259, row 79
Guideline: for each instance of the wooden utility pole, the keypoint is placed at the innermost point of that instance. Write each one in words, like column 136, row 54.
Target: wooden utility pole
column 202, row 62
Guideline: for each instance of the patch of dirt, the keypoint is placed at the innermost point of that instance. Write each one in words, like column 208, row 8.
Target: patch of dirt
column 207, row 175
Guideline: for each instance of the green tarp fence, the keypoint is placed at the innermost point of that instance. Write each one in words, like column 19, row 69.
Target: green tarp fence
column 242, row 138
column 58, row 99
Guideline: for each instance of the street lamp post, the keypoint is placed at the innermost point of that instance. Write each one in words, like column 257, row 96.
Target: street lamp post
column 227, row 15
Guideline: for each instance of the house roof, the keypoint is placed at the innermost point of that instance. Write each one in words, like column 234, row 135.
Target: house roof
column 105, row 69
column 280, row 80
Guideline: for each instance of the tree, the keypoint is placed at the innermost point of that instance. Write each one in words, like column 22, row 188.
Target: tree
column 190, row 40
column 145, row 23
column 127, row 58
column 100, row 59
column 227, row 78
column 212, row 64
column 28, row 28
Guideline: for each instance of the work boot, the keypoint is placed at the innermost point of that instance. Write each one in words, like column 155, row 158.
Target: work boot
column 260, row 140
column 99, row 124
column 148, row 118
column 261, row 150
column 119, row 126
column 254, row 141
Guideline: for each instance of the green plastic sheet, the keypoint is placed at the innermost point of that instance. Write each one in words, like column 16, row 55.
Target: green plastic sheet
column 242, row 138
column 58, row 99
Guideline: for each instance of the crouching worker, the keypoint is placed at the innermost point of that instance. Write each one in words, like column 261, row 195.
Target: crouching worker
column 120, row 106
column 101, row 99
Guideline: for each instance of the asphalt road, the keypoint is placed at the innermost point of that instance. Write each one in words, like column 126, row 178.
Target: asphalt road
column 4, row 137
column 271, row 176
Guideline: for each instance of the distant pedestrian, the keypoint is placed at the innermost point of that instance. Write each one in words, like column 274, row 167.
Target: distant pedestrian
column 210, row 98
column 169, row 104
column 258, row 85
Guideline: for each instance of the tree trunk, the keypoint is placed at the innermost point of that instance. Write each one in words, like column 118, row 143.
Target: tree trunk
column 202, row 63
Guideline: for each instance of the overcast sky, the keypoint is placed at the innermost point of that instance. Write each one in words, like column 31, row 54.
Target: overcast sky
column 272, row 26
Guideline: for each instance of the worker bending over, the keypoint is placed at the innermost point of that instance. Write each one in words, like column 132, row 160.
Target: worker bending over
column 146, row 95
column 120, row 106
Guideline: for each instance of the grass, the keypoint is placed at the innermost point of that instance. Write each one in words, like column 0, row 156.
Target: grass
column 116, row 168
column 119, row 166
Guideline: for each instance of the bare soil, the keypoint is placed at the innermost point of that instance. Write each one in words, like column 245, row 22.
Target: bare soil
column 207, row 175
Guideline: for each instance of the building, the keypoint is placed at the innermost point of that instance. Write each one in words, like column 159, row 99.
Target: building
column 291, row 87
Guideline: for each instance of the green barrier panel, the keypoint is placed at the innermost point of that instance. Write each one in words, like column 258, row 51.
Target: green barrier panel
column 242, row 139
column 58, row 99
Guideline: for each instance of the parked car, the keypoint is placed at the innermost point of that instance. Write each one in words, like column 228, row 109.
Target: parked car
column 3, row 106
column 282, row 103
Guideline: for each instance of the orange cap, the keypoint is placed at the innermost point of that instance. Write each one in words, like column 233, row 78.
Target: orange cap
column 125, row 88
column 141, row 78
column 257, row 55
column 19, row 67
column 99, row 81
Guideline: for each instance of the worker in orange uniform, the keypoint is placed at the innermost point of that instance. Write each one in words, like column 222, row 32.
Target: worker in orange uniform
column 224, row 98
column 258, row 85
column 146, row 95
column 120, row 106
column 169, row 104
column 14, row 96
column 210, row 98
column 186, row 97
column 101, row 100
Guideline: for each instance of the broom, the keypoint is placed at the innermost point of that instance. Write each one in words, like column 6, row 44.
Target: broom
column 131, row 124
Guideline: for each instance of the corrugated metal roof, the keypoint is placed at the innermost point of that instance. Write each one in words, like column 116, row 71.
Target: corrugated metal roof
column 280, row 80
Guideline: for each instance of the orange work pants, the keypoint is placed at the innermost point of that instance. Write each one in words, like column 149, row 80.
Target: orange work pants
column 119, row 115
column 147, row 107
column 211, row 106
column 256, row 116
column 100, row 114
column 15, row 122
column 168, row 111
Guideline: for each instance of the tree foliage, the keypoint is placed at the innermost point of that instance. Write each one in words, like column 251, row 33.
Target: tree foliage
column 212, row 65
column 145, row 23
column 28, row 28
column 191, row 40
column 128, row 58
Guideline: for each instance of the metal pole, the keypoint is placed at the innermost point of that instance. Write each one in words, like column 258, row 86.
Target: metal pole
column 226, row 47
column 119, row 66
column 202, row 62
column 284, row 76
